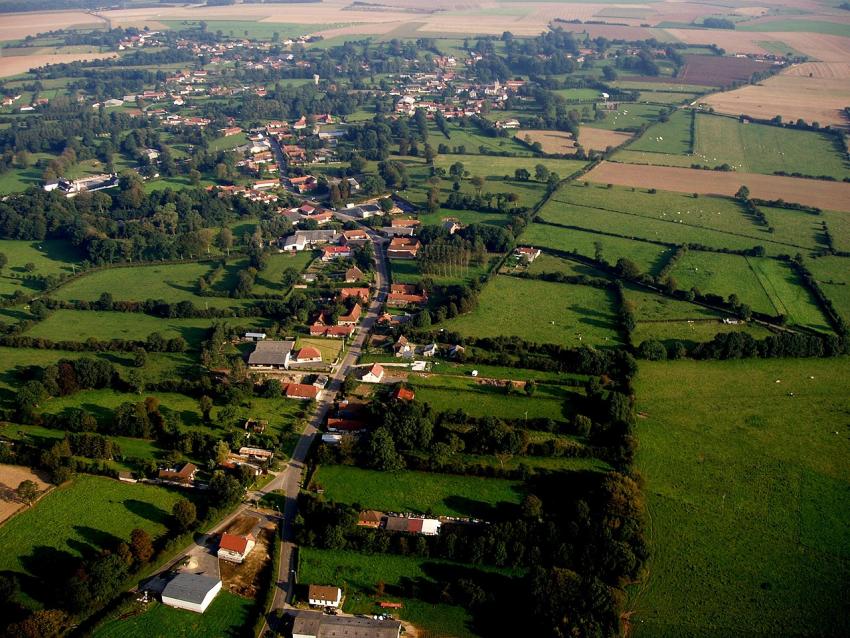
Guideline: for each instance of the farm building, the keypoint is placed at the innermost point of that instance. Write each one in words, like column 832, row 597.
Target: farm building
column 185, row 475
column 193, row 592
column 370, row 518
column 315, row 624
column 308, row 354
column 355, row 237
column 351, row 318
column 424, row 526
column 528, row 253
column 322, row 596
column 271, row 355
column 254, row 336
column 302, row 391
column 235, row 548
column 361, row 293
column 307, row 239
column 402, row 227
column 403, row 248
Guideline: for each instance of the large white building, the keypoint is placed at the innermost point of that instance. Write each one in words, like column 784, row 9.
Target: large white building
column 194, row 592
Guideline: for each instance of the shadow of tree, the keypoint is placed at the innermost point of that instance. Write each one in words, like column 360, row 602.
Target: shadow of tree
column 147, row 510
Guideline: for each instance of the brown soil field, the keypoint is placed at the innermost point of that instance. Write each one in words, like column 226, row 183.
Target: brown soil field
column 15, row 26
column 247, row 579
column 791, row 95
column 716, row 71
column 23, row 63
column 10, row 477
column 823, row 194
column 598, row 139
column 550, row 141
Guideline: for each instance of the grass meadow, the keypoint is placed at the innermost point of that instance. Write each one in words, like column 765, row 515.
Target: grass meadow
column 672, row 136
column 629, row 117
column 227, row 615
column 833, row 275
column 421, row 492
column 358, row 574
column 542, row 312
column 747, row 486
column 269, row 280
column 49, row 257
column 80, row 518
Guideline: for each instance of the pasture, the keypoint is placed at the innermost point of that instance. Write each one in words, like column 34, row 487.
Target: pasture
column 473, row 141
column 79, row 325
column 747, row 487
column 269, row 279
column 172, row 283
column 226, row 616
column 787, row 294
column 833, row 275
column 359, row 573
column 629, row 116
column 479, row 398
column 672, row 136
column 80, row 518
column 420, row 492
column 541, row 312
column 48, row 257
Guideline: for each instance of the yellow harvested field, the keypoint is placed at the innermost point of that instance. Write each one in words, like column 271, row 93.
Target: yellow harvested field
column 822, row 70
column 23, row 63
column 818, row 46
column 550, row 141
column 731, row 41
column 16, row 26
column 823, row 194
column 10, row 477
column 598, row 139
column 793, row 95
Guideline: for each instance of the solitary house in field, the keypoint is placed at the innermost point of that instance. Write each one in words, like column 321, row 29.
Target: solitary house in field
column 194, row 592
column 528, row 253
column 234, row 548
column 321, row 596
column 271, row 355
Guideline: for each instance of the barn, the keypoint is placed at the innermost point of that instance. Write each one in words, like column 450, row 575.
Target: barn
column 194, row 592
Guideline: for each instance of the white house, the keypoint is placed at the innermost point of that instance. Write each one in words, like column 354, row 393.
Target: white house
column 374, row 374
column 235, row 548
column 193, row 592
column 322, row 596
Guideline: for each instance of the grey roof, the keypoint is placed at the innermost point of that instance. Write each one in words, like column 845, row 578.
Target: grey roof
column 313, row 623
column 270, row 353
column 191, row 588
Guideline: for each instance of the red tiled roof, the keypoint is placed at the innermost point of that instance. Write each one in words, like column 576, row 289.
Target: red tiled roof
column 234, row 543
column 308, row 353
column 404, row 394
column 301, row 391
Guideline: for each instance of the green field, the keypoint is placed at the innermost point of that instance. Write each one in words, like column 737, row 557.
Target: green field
column 833, row 275
column 50, row 257
column 81, row 517
column 250, row 29
column 268, row 280
column 79, row 325
column 227, row 615
column 747, row 148
column 672, row 136
column 421, row 492
column 406, row 271
column 747, row 489
column 173, row 283
column 473, row 140
column 359, row 573
column 446, row 393
column 330, row 348
column 807, row 26
column 629, row 117
column 541, row 312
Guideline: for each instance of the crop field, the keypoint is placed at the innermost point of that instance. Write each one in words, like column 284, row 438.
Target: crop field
column 445, row 393
column 542, row 312
column 226, row 616
column 822, row 194
column 672, row 136
column 173, row 283
column 249, row 28
column 650, row 257
column 420, row 492
column 746, row 486
column 599, row 139
column 80, row 518
column 359, row 573
column 48, row 257
column 554, row 142
column 10, row 477
column 79, row 325
column 833, row 275
column 712, row 70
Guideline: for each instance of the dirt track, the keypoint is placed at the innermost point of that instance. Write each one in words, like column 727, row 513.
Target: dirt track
column 823, row 194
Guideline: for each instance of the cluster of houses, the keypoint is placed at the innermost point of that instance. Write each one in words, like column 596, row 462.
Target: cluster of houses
column 469, row 98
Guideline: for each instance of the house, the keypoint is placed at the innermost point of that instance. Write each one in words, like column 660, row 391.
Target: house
column 307, row 354
column 302, row 391
column 363, row 212
column 303, row 184
column 322, row 596
column 256, row 454
column 430, row 350
column 321, row 218
column 304, row 239
column 402, row 347
column 370, row 518
column 353, row 274
column 194, row 592
column 338, row 424
column 329, row 253
column 254, row 336
column 374, row 374
column 271, row 355
column 234, row 548
column 403, row 248
column 528, row 253
column 355, row 237
column 294, row 154
column 451, row 226
column 315, row 624
column 319, row 329
column 404, row 295
column 351, row 318
column 185, row 475
column 230, row 130
column 402, row 227
column 360, row 293
column 456, row 351
column 403, row 394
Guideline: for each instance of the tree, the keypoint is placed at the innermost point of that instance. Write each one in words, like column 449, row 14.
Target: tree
column 541, row 173
column 225, row 240
column 382, row 451
column 3, row 261
column 27, row 491
column 185, row 514
column 194, row 177
column 522, row 175
column 140, row 357
column 532, row 507
column 478, row 184
column 222, row 451
column 206, row 405
column 141, row 545
column 225, row 489
column 743, row 193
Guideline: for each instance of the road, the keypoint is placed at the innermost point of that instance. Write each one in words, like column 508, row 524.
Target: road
column 290, row 479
